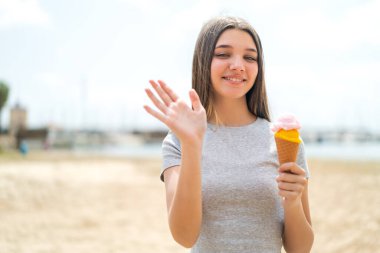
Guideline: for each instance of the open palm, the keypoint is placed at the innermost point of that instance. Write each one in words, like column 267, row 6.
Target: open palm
column 187, row 123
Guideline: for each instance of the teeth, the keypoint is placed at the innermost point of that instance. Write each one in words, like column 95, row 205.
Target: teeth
column 234, row 79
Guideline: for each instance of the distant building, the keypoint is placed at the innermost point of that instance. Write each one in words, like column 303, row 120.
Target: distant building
column 18, row 120
column 19, row 132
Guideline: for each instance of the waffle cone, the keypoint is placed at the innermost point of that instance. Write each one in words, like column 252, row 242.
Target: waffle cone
column 286, row 150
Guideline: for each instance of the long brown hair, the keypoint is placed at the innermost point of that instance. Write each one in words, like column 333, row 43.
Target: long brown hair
column 256, row 97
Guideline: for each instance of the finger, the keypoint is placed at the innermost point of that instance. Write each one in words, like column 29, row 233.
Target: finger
column 195, row 101
column 168, row 90
column 291, row 168
column 155, row 101
column 291, row 178
column 163, row 95
column 155, row 114
column 290, row 187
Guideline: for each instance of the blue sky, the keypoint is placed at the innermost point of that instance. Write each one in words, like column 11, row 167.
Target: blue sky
column 87, row 62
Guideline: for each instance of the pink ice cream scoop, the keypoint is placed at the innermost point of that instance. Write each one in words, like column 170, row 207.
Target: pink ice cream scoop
column 286, row 122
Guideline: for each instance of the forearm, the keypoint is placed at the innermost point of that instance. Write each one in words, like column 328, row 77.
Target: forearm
column 185, row 214
column 298, row 234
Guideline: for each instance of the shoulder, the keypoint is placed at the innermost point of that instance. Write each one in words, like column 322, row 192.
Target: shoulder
column 171, row 141
column 264, row 122
column 263, row 126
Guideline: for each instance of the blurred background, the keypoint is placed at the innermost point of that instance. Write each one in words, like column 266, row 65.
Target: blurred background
column 72, row 79
column 76, row 71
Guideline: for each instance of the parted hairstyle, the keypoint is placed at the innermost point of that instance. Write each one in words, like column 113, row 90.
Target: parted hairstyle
column 256, row 97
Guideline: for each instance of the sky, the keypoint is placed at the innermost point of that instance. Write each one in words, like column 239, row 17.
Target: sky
column 86, row 63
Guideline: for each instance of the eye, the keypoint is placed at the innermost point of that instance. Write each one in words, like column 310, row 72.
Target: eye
column 250, row 58
column 221, row 55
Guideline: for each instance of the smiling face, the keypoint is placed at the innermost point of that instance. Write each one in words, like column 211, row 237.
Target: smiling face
column 234, row 65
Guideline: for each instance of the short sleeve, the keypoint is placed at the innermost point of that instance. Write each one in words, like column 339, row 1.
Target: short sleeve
column 171, row 153
column 301, row 159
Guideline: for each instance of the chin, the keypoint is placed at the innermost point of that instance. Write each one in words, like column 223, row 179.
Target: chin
column 234, row 95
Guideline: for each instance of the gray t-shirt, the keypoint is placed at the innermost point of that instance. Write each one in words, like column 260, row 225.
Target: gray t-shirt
column 242, row 211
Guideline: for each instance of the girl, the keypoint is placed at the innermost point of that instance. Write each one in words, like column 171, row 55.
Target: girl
column 225, row 189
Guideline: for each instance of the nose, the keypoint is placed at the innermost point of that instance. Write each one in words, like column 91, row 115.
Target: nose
column 237, row 64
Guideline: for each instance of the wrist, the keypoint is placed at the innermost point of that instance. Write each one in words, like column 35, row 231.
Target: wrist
column 192, row 141
column 290, row 204
column 192, row 145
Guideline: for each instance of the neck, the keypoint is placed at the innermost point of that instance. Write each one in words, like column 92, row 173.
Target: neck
column 233, row 112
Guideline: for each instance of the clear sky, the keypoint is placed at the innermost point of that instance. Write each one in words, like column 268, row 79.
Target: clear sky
column 86, row 63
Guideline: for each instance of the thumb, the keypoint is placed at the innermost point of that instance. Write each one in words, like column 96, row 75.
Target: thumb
column 195, row 100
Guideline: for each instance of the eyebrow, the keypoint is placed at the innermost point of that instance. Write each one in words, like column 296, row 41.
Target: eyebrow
column 228, row 46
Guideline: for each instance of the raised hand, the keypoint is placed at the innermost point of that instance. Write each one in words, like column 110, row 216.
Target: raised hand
column 188, row 124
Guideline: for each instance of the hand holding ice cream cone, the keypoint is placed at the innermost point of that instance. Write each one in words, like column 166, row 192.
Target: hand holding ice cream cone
column 287, row 138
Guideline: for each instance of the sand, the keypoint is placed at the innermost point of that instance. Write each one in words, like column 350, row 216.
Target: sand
column 58, row 202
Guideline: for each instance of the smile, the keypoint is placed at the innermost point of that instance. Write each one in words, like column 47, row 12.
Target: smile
column 234, row 79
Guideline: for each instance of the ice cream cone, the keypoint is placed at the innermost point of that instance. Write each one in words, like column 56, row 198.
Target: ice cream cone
column 286, row 150
column 287, row 138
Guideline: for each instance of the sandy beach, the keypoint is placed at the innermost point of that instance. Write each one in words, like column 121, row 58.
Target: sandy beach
column 54, row 202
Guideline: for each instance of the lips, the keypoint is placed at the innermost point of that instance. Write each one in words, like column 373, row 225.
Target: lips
column 234, row 79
